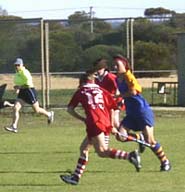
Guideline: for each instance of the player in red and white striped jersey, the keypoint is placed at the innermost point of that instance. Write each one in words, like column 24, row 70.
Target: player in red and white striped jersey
column 98, row 105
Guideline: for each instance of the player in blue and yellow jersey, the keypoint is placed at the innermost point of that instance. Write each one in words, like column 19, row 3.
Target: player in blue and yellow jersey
column 139, row 115
column 26, row 93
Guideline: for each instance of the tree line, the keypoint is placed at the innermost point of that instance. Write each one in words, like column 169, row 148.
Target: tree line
column 74, row 44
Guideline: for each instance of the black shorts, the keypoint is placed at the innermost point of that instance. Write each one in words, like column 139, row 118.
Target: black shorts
column 28, row 95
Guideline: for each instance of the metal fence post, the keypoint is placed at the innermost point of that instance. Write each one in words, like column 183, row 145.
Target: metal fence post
column 42, row 64
column 132, row 44
column 47, row 64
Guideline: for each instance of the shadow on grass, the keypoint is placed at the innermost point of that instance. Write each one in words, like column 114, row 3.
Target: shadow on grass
column 29, row 185
column 34, row 172
column 34, row 152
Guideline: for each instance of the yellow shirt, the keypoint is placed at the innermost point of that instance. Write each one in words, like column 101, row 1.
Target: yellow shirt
column 132, row 82
column 23, row 78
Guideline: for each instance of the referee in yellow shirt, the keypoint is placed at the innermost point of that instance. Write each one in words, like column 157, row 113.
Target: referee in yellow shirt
column 26, row 93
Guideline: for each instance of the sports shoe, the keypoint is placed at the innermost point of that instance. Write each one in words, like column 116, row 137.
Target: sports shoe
column 135, row 159
column 166, row 166
column 141, row 146
column 11, row 129
column 70, row 179
column 7, row 104
column 51, row 117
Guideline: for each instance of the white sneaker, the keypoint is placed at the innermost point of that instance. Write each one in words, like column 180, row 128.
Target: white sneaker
column 8, row 104
column 51, row 117
column 166, row 166
column 11, row 129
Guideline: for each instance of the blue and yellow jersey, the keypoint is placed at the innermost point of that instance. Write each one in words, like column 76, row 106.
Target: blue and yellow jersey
column 132, row 82
column 134, row 103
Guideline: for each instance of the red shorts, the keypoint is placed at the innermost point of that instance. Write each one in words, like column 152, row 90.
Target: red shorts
column 93, row 131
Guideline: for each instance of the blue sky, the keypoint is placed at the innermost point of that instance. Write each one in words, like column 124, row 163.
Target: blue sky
column 61, row 9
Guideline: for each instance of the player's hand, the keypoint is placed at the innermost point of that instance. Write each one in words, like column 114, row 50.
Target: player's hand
column 114, row 131
column 121, row 67
column 119, row 137
column 16, row 87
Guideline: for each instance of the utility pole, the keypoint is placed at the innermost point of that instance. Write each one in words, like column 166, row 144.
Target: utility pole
column 91, row 19
column 130, row 41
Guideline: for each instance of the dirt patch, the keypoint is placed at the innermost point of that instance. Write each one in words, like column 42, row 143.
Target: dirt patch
column 147, row 82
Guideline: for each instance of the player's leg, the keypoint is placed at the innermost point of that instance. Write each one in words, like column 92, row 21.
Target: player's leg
column 139, row 136
column 157, row 148
column 16, row 114
column 116, row 118
column 103, row 151
column 83, row 159
column 30, row 96
column 129, row 127
column 5, row 103
column 40, row 110
column 81, row 164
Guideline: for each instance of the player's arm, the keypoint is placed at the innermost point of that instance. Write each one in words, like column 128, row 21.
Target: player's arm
column 111, row 104
column 71, row 111
column 133, row 86
column 114, row 130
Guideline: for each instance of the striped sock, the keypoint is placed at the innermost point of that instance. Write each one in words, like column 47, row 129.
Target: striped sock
column 81, row 164
column 106, row 139
column 118, row 154
column 158, row 151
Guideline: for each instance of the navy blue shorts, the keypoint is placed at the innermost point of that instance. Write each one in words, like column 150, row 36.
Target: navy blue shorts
column 28, row 95
column 139, row 122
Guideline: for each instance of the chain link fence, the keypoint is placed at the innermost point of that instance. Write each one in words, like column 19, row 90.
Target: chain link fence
column 57, row 51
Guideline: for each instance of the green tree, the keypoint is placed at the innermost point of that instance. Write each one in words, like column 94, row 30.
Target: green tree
column 178, row 22
column 99, row 51
column 160, row 11
column 8, row 42
column 64, row 52
column 77, row 17
column 146, row 30
column 153, row 56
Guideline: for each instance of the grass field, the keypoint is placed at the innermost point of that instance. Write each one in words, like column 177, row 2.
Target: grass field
column 33, row 159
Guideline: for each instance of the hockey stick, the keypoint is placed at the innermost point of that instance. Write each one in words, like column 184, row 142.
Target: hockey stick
column 130, row 138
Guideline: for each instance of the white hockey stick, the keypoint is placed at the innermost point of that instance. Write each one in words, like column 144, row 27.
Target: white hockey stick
column 130, row 138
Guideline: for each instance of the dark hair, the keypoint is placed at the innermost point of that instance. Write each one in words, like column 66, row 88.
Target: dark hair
column 118, row 56
column 88, row 76
column 100, row 63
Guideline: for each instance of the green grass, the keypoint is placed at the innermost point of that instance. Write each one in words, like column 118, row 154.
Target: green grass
column 33, row 159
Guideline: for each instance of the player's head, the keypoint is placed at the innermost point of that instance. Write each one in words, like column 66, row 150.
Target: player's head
column 100, row 64
column 88, row 77
column 18, row 63
column 119, row 58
